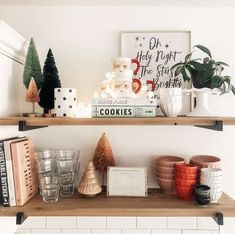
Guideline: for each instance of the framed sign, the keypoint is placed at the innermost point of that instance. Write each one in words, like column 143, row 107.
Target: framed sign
column 127, row 181
column 157, row 52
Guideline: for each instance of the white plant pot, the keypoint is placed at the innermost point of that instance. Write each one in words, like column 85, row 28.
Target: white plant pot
column 65, row 102
column 202, row 109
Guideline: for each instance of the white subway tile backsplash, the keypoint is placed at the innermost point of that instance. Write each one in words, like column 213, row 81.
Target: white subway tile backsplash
column 33, row 222
column 106, row 231
column 84, row 222
column 196, row 232
column 181, row 222
column 229, row 225
column 7, row 224
column 121, row 222
column 61, row 222
column 151, row 222
column 45, row 231
column 136, row 231
column 166, row 231
column 216, row 232
column 76, row 231
column 207, row 223
column 23, row 231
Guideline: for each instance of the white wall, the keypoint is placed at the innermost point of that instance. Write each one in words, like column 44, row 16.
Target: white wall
column 84, row 39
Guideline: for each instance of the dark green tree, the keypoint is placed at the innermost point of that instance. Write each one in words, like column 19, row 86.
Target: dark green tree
column 50, row 82
column 32, row 66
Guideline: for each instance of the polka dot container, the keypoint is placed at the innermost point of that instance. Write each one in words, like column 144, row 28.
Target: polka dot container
column 65, row 102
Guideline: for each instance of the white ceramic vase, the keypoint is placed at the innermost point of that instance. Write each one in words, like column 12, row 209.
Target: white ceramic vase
column 202, row 108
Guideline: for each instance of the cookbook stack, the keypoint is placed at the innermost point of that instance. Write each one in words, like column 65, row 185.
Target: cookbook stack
column 18, row 178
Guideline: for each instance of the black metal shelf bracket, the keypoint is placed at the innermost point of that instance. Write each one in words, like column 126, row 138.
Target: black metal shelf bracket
column 219, row 218
column 24, row 127
column 20, row 218
column 218, row 126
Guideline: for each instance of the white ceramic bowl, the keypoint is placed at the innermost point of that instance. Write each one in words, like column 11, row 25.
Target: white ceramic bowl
column 171, row 109
column 215, row 196
column 212, row 185
column 170, row 91
column 212, row 172
column 212, row 179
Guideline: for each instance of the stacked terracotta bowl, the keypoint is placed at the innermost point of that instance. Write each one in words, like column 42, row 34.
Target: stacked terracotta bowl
column 165, row 172
column 203, row 161
column 212, row 177
column 185, row 180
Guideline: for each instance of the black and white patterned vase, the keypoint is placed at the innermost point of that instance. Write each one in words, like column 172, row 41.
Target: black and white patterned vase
column 65, row 102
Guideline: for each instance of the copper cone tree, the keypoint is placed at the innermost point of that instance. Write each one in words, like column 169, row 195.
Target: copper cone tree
column 32, row 93
column 89, row 184
column 103, row 156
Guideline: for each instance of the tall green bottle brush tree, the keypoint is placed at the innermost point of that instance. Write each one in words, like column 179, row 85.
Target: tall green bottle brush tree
column 51, row 81
column 32, row 66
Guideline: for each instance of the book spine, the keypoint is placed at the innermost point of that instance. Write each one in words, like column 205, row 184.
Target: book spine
column 17, row 178
column 123, row 111
column 10, row 176
column 3, row 176
column 124, row 101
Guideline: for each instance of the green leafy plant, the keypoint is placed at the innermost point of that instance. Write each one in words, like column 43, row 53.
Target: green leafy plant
column 204, row 72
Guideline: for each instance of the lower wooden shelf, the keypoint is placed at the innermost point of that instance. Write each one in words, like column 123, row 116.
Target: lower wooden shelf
column 156, row 204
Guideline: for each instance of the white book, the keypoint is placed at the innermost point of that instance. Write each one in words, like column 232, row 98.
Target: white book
column 124, row 101
column 10, row 175
column 123, row 111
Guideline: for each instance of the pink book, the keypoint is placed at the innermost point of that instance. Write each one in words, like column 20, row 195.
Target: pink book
column 24, row 170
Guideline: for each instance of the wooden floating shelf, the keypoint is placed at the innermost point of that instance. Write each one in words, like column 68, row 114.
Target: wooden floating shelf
column 156, row 204
column 41, row 121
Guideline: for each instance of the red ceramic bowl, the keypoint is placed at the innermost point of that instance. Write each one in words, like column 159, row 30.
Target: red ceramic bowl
column 169, row 161
column 206, row 161
column 186, row 168
column 184, row 193
column 167, row 185
column 185, row 183
column 186, row 176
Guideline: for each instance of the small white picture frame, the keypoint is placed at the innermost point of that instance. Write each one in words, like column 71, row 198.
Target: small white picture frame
column 127, row 181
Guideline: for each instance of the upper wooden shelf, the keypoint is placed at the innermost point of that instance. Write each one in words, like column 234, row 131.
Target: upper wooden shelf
column 41, row 121
column 156, row 204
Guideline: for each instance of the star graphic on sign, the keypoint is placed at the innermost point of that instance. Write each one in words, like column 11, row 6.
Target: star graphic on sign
column 137, row 38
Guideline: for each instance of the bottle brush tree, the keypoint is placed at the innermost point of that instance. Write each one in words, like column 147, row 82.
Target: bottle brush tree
column 103, row 156
column 32, row 93
column 32, row 66
column 50, row 82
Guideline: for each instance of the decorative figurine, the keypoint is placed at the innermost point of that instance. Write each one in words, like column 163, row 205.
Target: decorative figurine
column 89, row 185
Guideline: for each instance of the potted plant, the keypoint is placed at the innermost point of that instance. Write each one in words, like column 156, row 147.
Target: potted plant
column 205, row 74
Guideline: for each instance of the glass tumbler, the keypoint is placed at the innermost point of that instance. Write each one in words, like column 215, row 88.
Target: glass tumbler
column 49, row 185
column 46, row 161
column 67, row 184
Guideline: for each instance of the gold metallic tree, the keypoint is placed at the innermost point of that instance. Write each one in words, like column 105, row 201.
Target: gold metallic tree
column 89, row 184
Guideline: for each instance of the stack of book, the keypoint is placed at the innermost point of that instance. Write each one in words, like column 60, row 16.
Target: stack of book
column 123, row 107
column 18, row 177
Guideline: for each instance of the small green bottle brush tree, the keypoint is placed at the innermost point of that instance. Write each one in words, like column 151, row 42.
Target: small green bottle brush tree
column 50, row 82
